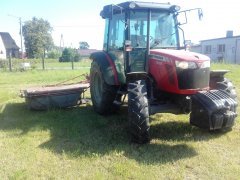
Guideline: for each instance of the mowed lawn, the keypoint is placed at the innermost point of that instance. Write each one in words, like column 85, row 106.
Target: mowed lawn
column 77, row 143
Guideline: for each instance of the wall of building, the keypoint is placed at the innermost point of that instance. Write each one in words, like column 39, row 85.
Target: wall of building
column 2, row 50
column 196, row 48
column 222, row 49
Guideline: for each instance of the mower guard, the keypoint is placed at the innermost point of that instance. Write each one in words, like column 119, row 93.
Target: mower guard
column 213, row 110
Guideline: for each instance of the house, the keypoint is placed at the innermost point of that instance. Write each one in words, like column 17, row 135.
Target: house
column 225, row 49
column 8, row 46
column 86, row 52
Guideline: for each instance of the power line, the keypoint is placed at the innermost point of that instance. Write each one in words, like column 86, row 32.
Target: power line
column 77, row 26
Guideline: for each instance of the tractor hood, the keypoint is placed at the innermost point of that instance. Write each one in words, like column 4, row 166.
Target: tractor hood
column 181, row 55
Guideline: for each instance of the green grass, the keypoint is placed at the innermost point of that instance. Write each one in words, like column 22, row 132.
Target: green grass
column 77, row 143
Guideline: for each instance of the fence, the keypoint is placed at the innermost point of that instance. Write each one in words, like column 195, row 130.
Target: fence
column 12, row 64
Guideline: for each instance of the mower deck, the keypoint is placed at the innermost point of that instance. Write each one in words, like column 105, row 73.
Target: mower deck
column 60, row 96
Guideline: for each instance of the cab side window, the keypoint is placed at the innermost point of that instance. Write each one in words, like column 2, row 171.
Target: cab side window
column 116, row 32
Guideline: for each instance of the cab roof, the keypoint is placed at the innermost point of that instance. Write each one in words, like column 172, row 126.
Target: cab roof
column 108, row 10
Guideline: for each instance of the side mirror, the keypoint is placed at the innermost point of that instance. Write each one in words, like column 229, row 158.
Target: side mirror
column 128, row 46
column 183, row 18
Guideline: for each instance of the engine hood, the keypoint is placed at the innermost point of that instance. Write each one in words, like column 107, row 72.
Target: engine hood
column 179, row 55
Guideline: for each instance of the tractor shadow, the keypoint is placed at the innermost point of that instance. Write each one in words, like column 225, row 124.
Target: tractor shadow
column 81, row 132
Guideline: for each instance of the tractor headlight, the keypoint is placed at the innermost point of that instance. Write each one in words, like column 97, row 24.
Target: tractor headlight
column 205, row 64
column 185, row 65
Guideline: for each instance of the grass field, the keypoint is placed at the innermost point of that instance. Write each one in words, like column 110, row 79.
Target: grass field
column 49, row 64
column 77, row 143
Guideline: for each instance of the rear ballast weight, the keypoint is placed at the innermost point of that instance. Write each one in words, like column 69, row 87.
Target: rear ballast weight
column 143, row 58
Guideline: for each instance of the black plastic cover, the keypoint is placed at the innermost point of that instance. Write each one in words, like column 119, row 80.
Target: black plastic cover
column 213, row 110
column 193, row 78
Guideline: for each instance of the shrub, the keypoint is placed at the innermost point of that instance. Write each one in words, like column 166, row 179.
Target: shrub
column 3, row 64
column 68, row 55
column 53, row 54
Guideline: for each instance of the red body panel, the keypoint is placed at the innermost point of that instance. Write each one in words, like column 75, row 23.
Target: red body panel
column 163, row 69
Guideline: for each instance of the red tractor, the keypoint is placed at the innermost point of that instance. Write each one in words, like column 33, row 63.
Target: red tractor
column 142, row 58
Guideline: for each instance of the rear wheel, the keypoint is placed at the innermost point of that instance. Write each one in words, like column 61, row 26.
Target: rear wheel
column 102, row 94
column 138, row 112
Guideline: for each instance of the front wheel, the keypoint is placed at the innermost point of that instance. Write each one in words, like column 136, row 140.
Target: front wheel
column 138, row 112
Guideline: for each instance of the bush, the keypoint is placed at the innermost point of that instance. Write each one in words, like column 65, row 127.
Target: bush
column 68, row 55
column 54, row 54
column 3, row 64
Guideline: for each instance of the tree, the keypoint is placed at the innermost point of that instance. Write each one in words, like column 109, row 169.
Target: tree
column 69, row 54
column 37, row 37
column 83, row 45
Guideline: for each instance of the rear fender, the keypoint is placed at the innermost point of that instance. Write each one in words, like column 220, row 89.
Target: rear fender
column 108, row 67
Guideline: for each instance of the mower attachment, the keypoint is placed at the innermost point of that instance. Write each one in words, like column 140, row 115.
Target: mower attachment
column 213, row 110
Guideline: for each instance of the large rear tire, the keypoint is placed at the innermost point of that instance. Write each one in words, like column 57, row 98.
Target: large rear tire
column 102, row 94
column 138, row 112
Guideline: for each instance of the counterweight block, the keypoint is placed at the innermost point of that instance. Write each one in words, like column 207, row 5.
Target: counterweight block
column 213, row 110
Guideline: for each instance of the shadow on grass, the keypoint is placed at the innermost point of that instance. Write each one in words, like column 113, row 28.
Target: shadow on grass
column 81, row 132
column 182, row 131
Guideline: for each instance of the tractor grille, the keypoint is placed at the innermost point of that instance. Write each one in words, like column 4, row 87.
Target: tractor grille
column 193, row 78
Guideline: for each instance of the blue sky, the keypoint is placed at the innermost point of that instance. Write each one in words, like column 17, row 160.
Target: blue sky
column 79, row 20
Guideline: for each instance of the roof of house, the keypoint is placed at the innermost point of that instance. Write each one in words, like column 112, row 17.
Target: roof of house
column 8, row 41
column 220, row 38
column 86, row 52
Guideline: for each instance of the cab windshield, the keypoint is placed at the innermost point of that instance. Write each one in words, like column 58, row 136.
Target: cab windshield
column 163, row 31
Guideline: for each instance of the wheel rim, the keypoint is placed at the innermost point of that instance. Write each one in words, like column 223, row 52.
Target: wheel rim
column 97, row 88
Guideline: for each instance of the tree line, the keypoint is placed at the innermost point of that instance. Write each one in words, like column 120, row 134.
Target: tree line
column 38, row 40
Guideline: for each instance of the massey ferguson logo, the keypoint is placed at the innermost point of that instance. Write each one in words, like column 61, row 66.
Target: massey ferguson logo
column 159, row 58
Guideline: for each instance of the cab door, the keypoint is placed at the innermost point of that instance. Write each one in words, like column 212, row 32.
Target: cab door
column 116, row 37
column 138, row 37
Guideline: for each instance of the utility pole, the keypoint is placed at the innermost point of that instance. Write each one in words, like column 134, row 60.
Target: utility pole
column 10, row 61
column 20, row 22
column 61, row 43
column 20, row 32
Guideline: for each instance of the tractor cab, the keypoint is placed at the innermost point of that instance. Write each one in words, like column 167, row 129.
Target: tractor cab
column 133, row 28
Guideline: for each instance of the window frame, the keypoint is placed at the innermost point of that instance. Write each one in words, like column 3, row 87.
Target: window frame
column 221, row 48
column 207, row 49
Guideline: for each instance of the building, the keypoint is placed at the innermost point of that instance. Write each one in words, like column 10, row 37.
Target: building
column 226, row 49
column 86, row 52
column 8, row 46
